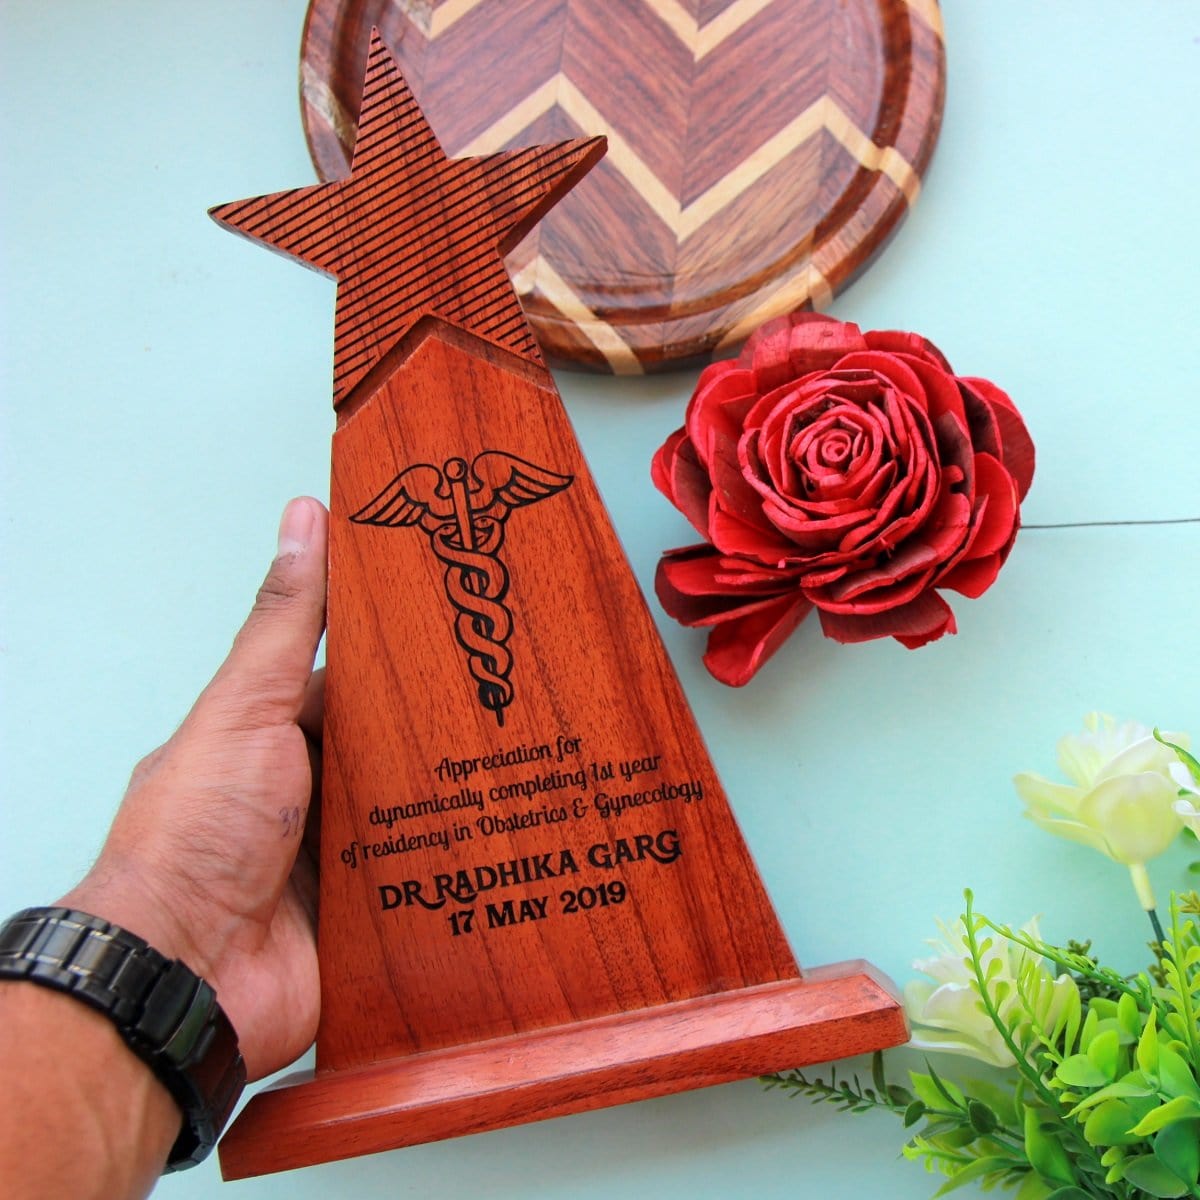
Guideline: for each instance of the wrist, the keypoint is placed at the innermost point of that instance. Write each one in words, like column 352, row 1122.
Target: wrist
column 67, row 1070
column 161, row 1010
column 126, row 894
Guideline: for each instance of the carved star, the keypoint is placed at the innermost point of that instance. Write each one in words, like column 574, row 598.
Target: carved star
column 412, row 233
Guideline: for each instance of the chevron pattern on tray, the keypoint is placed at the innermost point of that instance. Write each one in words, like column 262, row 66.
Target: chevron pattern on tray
column 760, row 151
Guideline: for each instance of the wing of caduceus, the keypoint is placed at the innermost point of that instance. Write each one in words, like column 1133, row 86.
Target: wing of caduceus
column 503, row 482
column 464, row 510
column 418, row 494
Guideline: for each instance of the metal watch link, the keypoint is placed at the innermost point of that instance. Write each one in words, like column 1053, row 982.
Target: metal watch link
column 168, row 1016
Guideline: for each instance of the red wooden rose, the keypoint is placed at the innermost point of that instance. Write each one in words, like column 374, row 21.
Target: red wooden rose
column 849, row 472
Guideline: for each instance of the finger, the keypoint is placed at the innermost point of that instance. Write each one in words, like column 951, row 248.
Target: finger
column 263, row 680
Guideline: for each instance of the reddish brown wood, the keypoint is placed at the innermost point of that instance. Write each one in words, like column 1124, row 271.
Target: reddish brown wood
column 761, row 154
column 534, row 895
column 847, row 1009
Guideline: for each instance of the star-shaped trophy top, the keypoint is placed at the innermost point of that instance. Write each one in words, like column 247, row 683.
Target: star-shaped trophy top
column 412, row 233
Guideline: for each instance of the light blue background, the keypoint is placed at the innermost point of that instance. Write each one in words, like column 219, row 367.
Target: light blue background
column 166, row 389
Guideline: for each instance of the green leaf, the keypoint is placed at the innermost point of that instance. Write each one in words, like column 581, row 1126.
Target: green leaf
column 1175, row 1076
column 1114, row 1159
column 1133, row 1084
column 901, row 1097
column 959, row 1137
column 1079, row 1071
column 1110, row 1124
column 1128, row 1017
column 948, row 1090
column 1182, row 1108
column 926, row 1090
column 1090, row 1024
column 1068, row 1193
column 982, row 1119
column 1178, row 1149
column 1001, row 1100
column 1033, row 1188
column 1046, row 1154
column 1184, row 757
column 913, row 1113
column 1147, row 1173
column 1104, row 1051
column 1147, row 1047
column 975, row 1170
column 1067, row 1026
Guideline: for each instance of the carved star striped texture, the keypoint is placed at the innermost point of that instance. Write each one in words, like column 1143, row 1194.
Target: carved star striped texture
column 760, row 151
column 411, row 233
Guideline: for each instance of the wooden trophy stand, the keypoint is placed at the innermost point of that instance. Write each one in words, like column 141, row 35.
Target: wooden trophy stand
column 534, row 897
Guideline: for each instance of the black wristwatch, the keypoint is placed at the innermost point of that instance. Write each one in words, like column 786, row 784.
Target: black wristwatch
column 168, row 1016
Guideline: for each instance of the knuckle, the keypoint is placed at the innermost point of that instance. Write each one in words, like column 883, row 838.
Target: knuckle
column 277, row 591
column 146, row 768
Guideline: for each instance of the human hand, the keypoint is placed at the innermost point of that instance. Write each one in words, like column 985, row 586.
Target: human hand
column 206, row 858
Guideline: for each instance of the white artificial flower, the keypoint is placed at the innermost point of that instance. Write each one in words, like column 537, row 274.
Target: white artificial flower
column 1185, row 808
column 1121, row 800
column 945, row 1010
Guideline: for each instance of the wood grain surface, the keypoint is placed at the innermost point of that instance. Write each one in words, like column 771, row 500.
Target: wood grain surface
column 761, row 152
column 526, row 855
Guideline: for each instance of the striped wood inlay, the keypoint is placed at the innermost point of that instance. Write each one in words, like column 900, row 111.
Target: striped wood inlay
column 760, row 151
column 411, row 232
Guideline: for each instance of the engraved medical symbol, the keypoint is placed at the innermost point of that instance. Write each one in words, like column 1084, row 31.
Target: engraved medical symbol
column 463, row 509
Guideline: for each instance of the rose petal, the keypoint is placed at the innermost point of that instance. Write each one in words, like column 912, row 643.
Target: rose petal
column 971, row 577
column 898, row 342
column 796, row 344
column 997, row 519
column 718, row 407
column 913, row 624
column 737, row 649
column 907, row 505
column 890, row 368
column 701, row 571
column 732, row 535
column 851, row 472
column 695, row 588
column 679, row 475
column 983, row 428
column 874, row 590
column 1017, row 451
column 941, row 389
column 731, row 490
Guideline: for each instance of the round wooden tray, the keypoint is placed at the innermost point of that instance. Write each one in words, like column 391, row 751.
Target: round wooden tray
column 760, row 151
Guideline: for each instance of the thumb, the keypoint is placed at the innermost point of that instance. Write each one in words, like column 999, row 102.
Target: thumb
column 263, row 680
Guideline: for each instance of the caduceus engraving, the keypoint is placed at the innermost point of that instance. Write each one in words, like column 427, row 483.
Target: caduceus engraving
column 464, row 510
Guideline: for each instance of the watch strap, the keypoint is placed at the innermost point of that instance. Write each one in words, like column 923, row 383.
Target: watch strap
column 167, row 1015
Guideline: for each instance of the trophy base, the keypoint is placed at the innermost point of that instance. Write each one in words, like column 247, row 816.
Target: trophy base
column 832, row 1012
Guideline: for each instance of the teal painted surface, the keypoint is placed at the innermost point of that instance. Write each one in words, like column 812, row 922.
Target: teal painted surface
column 164, row 389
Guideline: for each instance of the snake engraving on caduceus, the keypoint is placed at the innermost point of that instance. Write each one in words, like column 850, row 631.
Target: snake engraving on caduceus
column 464, row 510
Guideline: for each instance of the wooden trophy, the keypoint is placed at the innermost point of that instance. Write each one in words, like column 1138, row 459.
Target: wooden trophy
column 534, row 897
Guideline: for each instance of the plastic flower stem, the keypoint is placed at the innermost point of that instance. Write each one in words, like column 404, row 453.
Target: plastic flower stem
column 1178, row 957
column 1141, row 885
column 1022, row 1064
column 1158, row 930
column 1068, row 962
column 1080, row 1149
